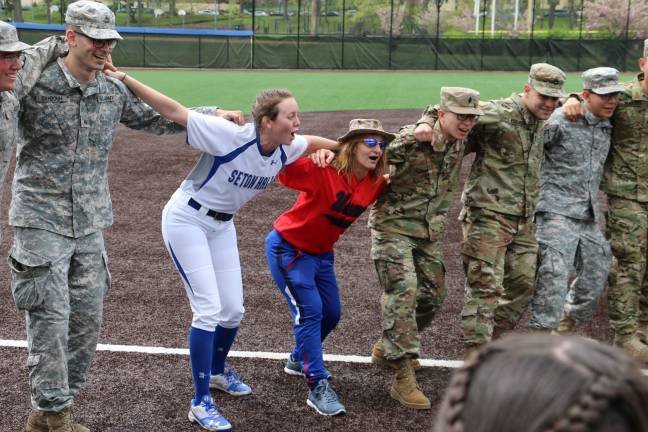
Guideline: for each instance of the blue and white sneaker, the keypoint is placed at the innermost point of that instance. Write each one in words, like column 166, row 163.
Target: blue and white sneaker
column 229, row 382
column 296, row 368
column 324, row 400
column 207, row 416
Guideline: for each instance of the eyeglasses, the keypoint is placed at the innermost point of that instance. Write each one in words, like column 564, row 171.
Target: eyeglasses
column 100, row 43
column 12, row 57
column 467, row 117
column 373, row 142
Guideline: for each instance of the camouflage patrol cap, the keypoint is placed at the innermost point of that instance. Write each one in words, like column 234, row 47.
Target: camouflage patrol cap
column 366, row 126
column 460, row 100
column 92, row 19
column 9, row 39
column 602, row 80
column 547, row 80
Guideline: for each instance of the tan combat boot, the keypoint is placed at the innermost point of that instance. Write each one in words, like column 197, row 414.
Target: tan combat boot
column 63, row 421
column 405, row 389
column 566, row 326
column 642, row 332
column 378, row 357
column 37, row 422
column 632, row 346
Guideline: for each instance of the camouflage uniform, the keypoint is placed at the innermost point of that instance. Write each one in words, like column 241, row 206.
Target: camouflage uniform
column 625, row 180
column 60, row 205
column 407, row 229
column 567, row 218
column 499, row 249
column 34, row 61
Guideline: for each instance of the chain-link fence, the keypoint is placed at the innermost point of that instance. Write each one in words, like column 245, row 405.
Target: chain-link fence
column 378, row 34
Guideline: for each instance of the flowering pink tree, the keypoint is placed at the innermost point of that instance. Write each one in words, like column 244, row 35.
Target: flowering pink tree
column 612, row 16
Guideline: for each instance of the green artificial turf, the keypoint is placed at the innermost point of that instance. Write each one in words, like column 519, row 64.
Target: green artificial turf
column 332, row 90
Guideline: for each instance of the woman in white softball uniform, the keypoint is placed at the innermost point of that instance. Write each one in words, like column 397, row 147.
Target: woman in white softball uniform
column 237, row 163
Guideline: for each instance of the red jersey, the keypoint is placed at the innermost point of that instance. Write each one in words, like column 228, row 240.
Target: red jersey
column 327, row 205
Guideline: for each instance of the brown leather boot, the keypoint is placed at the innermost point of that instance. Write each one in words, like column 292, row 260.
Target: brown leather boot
column 63, row 421
column 405, row 389
column 632, row 346
column 378, row 357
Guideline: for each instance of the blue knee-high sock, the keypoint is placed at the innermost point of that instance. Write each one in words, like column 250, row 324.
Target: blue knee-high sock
column 223, row 340
column 200, row 353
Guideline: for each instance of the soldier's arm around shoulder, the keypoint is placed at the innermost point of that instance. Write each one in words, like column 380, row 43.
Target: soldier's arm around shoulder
column 36, row 59
column 553, row 128
column 137, row 114
column 486, row 124
column 404, row 143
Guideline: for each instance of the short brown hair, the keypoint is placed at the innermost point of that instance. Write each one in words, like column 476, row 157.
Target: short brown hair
column 345, row 162
column 266, row 103
column 544, row 383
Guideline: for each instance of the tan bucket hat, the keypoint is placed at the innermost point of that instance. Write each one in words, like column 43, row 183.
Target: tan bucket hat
column 366, row 126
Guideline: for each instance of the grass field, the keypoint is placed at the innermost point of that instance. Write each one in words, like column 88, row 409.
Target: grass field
column 332, row 90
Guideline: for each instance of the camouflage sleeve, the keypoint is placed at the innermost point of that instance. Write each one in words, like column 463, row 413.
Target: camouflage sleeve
column 208, row 110
column 485, row 123
column 36, row 59
column 399, row 148
column 136, row 114
column 552, row 132
column 428, row 116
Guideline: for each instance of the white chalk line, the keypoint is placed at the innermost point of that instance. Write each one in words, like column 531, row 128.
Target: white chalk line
column 449, row 364
column 452, row 364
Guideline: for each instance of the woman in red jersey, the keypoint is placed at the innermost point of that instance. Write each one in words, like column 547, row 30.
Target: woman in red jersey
column 300, row 248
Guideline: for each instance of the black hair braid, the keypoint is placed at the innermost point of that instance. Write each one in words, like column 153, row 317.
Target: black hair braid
column 590, row 407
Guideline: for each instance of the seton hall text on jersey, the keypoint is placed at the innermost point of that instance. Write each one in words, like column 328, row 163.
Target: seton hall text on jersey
column 249, row 181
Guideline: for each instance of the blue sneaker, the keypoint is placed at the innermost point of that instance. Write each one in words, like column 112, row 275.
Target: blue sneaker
column 324, row 400
column 296, row 368
column 229, row 382
column 207, row 416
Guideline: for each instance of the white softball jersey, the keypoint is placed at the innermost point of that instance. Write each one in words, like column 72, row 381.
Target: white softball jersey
column 232, row 169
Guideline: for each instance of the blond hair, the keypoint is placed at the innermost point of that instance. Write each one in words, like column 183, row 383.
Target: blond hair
column 345, row 162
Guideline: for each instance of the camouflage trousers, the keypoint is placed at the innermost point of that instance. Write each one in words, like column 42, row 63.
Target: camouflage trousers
column 60, row 283
column 412, row 275
column 499, row 257
column 565, row 243
column 627, row 230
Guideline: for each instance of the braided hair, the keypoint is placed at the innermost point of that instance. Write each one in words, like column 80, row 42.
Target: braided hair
column 542, row 383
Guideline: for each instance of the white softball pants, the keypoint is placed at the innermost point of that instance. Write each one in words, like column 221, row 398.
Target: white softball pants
column 205, row 253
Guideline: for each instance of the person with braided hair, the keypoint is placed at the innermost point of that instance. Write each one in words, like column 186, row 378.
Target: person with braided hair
column 543, row 383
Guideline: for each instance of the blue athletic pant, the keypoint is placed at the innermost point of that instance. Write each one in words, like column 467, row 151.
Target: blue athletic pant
column 309, row 286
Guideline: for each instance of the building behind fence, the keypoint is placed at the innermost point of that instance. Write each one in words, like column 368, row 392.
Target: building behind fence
column 503, row 35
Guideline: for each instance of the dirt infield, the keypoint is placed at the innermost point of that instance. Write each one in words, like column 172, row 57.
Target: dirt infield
column 146, row 306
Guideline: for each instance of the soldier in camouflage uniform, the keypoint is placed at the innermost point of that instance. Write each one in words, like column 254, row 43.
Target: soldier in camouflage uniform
column 625, row 180
column 567, row 214
column 406, row 232
column 499, row 248
column 61, row 204
column 20, row 67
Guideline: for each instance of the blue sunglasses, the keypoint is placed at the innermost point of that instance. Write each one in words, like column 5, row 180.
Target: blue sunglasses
column 373, row 142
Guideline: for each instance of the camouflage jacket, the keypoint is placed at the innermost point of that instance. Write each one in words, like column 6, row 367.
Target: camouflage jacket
column 626, row 168
column 507, row 141
column 422, row 178
column 574, row 155
column 60, row 184
column 35, row 60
